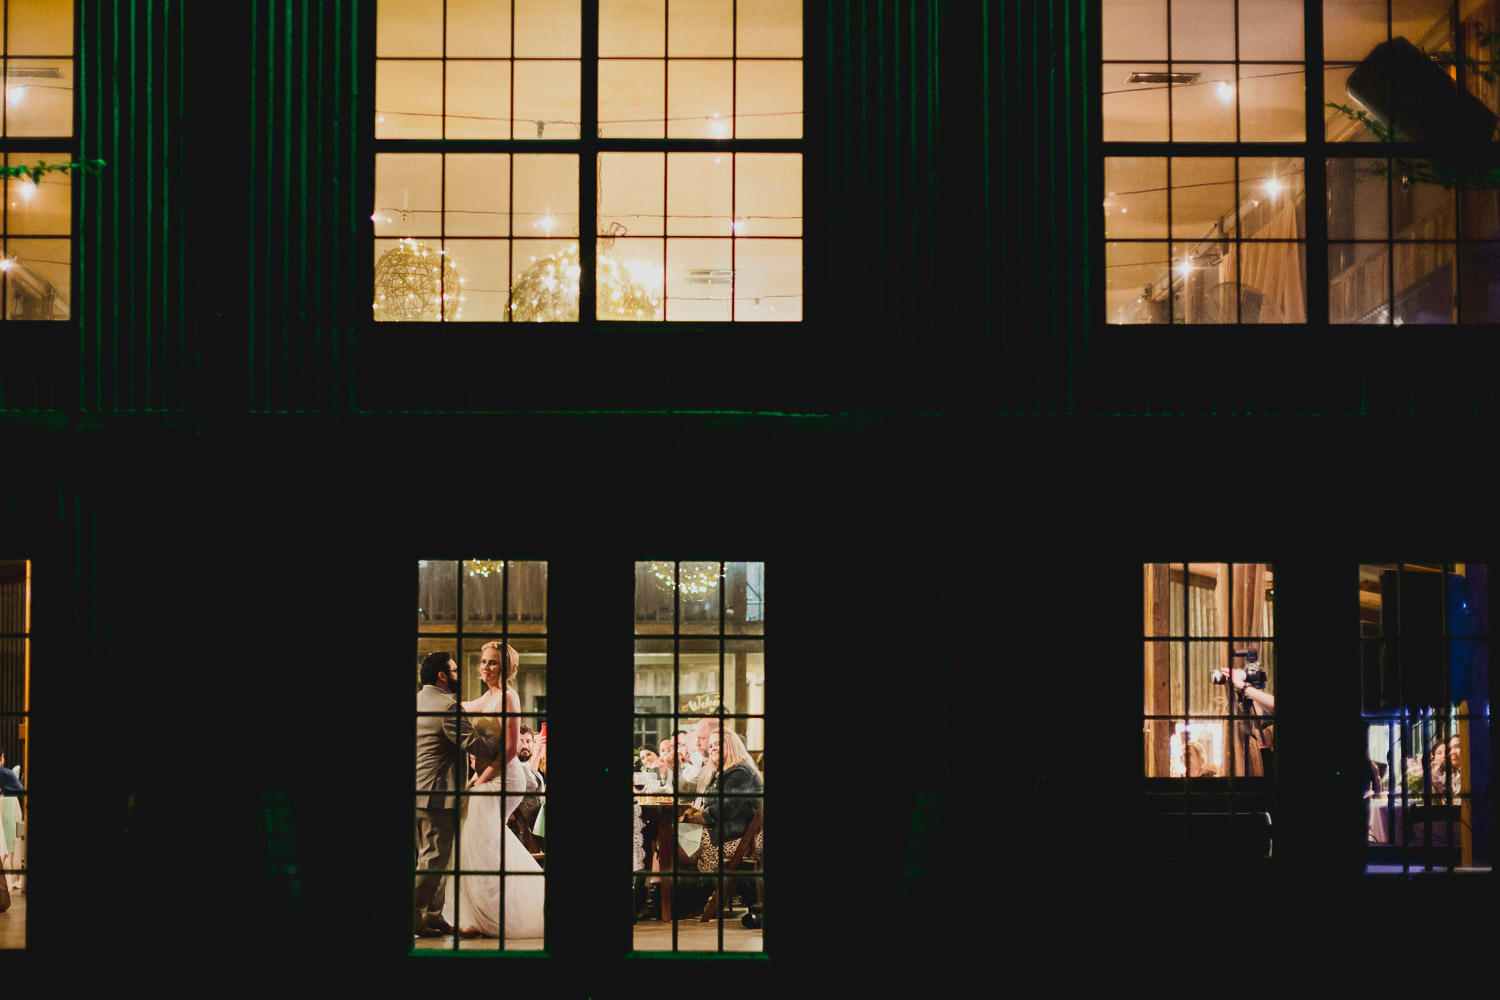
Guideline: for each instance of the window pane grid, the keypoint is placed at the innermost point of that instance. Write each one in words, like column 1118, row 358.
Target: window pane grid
column 1424, row 659
column 1204, row 742
column 689, row 636
column 762, row 278
column 36, row 125
column 15, row 743
column 460, row 592
column 1429, row 49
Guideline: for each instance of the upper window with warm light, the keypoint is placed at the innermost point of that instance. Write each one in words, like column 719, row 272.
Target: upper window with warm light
column 36, row 127
column 1234, row 148
column 695, row 137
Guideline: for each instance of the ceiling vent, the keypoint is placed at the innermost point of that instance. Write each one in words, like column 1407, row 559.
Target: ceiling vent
column 709, row 276
column 33, row 73
column 1178, row 78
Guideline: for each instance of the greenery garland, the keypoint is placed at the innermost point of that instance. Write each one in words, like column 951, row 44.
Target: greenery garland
column 36, row 170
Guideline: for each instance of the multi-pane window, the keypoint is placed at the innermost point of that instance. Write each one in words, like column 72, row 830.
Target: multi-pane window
column 680, row 121
column 1210, row 671
column 1227, row 202
column 36, row 127
column 1424, row 668
column 699, row 726
column 480, row 754
column 15, row 710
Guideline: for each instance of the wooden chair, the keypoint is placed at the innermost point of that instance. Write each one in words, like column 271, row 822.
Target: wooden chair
column 735, row 863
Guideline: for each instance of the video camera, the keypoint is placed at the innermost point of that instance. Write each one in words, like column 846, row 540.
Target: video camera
column 1254, row 676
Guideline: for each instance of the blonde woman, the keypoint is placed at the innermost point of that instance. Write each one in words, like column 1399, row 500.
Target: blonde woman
column 484, row 825
column 724, row 823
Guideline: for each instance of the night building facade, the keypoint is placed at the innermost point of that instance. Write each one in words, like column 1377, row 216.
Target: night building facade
column 952, row 467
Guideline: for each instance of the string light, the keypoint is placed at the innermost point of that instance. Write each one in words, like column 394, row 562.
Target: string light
column 15, row 95
column 1225, row 91
column 484, row 567
column 694, row 582
column 413, row 282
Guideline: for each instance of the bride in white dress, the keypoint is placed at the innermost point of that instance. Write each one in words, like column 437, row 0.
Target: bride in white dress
column 500, row 785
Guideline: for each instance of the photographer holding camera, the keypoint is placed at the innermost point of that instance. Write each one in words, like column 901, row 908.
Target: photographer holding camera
column 1255, row 734
column 1266, row 702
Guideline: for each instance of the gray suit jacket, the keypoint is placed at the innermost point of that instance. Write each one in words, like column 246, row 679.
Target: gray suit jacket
column 442, row 742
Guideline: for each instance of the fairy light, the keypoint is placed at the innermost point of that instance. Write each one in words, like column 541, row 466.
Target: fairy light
column 484, row 567
column 1224, row 91
column 693, row 582
column 1273, row 186
column 15, row 95
column 717, row 127
column 28, row 191
column 5, row 263
column 548, row 290
column 415, row 283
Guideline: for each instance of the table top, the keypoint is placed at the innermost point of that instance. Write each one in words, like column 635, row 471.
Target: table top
column 661, row 800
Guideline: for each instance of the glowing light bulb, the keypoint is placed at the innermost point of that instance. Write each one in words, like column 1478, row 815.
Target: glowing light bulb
column 28, row 191
column 1185, row 268
column 15, row 95
column 738, row 227
column 546, row 224
column 1224, row 91
column 1273, row 187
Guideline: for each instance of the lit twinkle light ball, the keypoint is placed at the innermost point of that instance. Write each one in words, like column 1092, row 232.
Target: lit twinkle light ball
column 412, row 280
column 547, row 291
column 696, row 582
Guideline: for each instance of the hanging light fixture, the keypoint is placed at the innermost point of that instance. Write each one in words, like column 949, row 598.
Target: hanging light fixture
column 484, row 567
column 547, row 291
column 693, row 582
column 415, row 283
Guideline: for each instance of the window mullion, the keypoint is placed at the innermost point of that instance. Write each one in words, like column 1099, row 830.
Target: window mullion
column 588, row 163
column 1315, row 165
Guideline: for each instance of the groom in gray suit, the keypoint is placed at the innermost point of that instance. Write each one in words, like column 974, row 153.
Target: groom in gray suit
column 443, row 741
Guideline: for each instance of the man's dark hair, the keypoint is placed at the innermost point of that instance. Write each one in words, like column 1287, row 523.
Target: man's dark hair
column 525, row 728
column 433, row 664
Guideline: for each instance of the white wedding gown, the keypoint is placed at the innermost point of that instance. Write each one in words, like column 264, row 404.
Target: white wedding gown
column 482, row 832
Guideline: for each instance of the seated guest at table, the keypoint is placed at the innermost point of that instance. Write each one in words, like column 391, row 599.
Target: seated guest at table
column 686, row 769
column 648, row 760
column 1195, row 762
column 725, row 822
column 523, row 820
column 706, row 726
column 666, row 756
column 1437, row 766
